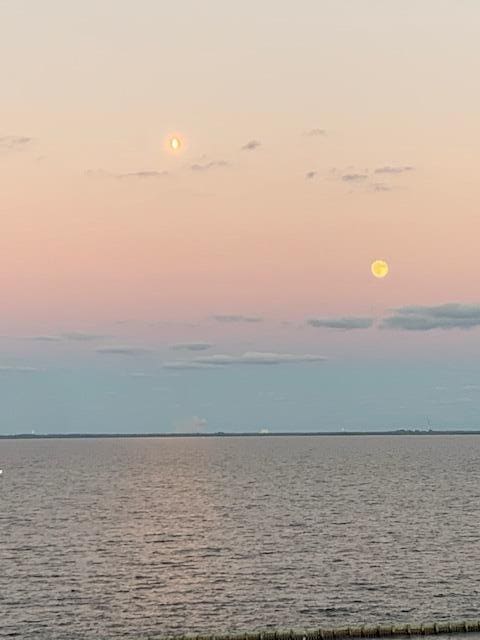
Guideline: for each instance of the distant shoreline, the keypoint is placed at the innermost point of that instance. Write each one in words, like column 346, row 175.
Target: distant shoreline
column 248, row 434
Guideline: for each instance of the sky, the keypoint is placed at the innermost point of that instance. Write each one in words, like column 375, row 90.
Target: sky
column 227, row 286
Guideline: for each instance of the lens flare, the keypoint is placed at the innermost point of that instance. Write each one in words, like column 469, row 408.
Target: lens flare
column 175, row 143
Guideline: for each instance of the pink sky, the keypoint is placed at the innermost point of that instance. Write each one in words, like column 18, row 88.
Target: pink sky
column 368, row 132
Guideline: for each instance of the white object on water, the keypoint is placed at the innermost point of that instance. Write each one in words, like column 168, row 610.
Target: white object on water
column 1, row 472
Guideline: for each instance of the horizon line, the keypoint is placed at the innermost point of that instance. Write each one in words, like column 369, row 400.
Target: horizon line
column 241, row 434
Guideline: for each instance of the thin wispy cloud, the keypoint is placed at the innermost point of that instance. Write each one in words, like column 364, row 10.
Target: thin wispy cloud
column 258, row 358
column 423, row 318
column 346, row 323
column 14, row 143
column 392, row 170
column 315, row 133
column 81, row 336
column 380, row 187
column 207, row 166
column 251, row 145
column 76, row 336
column 186, row 365
column 132, row 175
column 364, row 179
column 191, row 346
column 142, row 175
column 354, row 177
column 123, row 351
column 14, row 369
column 232, row 318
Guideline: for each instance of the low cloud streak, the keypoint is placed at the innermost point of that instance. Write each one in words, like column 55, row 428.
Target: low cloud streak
column 315, row 133
column 423, row 318
column 258, row 358
column 392, row 170
column 133, row 175
column 232, row 318
column 354, row 177
column 14, row 143
column 251, row 145
column 214, row 164
column 342, row 323
column 191, row 346
column 14, row 369
column 123, row 351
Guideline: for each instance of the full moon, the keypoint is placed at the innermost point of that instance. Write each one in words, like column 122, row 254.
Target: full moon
column 379, row 268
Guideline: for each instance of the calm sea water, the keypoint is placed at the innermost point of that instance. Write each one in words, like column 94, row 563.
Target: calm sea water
column 129, row 538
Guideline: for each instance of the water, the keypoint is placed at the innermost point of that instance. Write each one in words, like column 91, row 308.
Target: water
column 128, row 538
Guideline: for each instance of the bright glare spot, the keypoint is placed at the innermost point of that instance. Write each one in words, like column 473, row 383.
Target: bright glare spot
column 379, row 268
column 175, row 144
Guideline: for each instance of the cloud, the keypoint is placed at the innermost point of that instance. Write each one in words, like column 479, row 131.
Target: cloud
column 394, row 170
column 78, row 336
column 209, row 165
column 253, row 358
column 251, row 145
column 14, row 143
column 191, row 346
column 12, row 369
column 237, row 318
column 310, row 175
column 193, row 424
column 354, row 177
column 312, row 133
column 380, row 186
column 140, row 175
column 187, row 365
column 345, row 323
column 446, row 316
column 364, row 176
column 123, row 351
column 258, row 358
column 81, row 336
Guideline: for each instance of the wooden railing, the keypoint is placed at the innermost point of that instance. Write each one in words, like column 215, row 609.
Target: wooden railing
column 343, row 633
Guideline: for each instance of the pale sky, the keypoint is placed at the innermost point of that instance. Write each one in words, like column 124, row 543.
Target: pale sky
column 227, row 286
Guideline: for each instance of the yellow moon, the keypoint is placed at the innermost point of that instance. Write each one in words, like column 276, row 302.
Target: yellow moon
column 379, row 268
